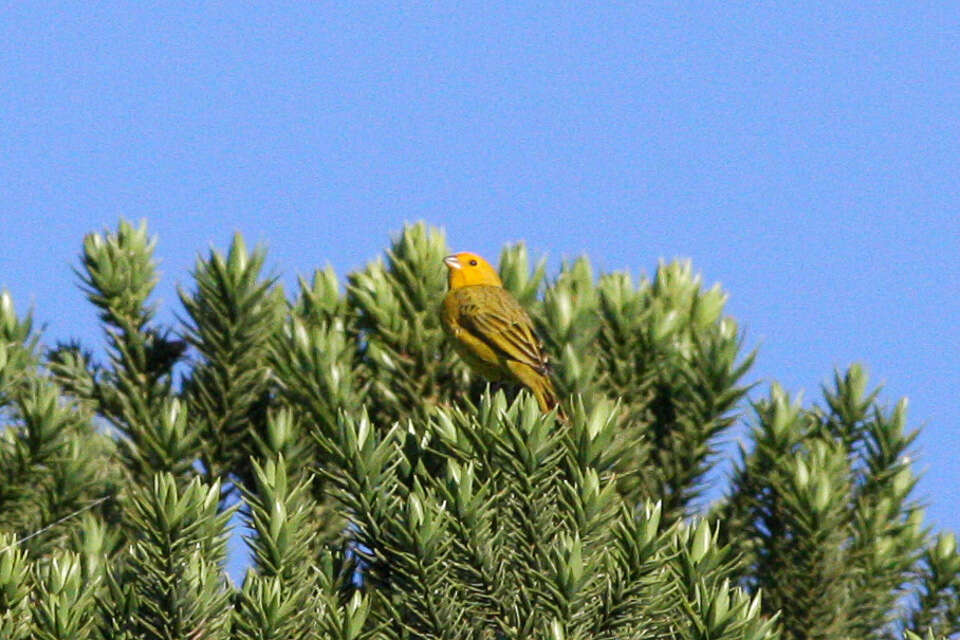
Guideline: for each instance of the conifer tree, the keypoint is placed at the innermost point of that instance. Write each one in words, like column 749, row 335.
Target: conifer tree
column 386, row 492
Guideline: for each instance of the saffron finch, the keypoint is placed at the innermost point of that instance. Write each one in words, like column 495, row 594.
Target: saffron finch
column 491, row 331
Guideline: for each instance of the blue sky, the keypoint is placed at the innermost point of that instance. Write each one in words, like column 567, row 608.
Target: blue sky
column 806, row 157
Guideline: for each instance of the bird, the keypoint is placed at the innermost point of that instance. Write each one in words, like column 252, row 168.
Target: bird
column 491, row 331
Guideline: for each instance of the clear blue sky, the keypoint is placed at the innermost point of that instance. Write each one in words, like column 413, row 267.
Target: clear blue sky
column 805, row 156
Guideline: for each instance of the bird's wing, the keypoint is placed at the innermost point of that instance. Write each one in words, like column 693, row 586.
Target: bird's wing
column 500, row 322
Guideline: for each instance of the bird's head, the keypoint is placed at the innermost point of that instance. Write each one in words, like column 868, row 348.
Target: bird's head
column 468, row 269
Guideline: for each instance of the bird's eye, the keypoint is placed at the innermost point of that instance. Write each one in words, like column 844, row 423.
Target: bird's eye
column 473, row 263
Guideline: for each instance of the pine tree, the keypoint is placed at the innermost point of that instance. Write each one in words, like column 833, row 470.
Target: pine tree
column 386, row 492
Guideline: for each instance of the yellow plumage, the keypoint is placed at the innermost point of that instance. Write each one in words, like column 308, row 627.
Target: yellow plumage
column 491, row 331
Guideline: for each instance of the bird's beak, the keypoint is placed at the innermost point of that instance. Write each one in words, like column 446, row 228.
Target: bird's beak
column 452, row 262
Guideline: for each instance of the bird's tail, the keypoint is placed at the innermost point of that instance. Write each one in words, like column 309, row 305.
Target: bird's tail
column 542, row 388
column 545, row 394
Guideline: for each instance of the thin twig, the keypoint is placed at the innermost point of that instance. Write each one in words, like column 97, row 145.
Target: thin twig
column 53, row 524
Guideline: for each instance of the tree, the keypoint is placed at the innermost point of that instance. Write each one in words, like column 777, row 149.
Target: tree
column 389, row 493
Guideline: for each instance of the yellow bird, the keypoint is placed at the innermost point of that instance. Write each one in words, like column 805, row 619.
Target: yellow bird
column 491, row 331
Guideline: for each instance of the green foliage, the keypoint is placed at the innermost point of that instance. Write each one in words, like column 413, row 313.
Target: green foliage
column 17, row 348
column 232, row 315
column 406, row 363
column 388, row 493
column 134, row 393
column 15, row 586
column 507, row 524
column 169, row 583
column 938, row 607
column 276, row 594
column 834, row 536
column 64, row 609
column 675, row 361
column 569, row 327
column 52, row 461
